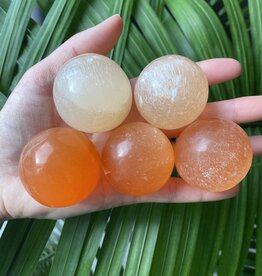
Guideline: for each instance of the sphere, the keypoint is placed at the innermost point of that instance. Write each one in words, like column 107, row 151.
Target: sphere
column 92, row 93
column 171, row 92
column 138, row 159
column 60, row 167
column 214, row 155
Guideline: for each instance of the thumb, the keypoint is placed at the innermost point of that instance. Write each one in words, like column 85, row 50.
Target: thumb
column 99, row 39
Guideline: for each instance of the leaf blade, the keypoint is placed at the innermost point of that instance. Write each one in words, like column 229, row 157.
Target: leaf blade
column 12, row 34
column 28, row 256
column 70, row 246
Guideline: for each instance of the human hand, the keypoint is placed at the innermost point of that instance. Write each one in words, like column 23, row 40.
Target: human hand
column 30, row 110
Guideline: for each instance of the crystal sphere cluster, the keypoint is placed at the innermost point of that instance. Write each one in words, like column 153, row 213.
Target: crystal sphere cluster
column 61, row 166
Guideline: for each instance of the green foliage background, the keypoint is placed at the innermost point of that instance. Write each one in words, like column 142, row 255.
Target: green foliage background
column 146, row 239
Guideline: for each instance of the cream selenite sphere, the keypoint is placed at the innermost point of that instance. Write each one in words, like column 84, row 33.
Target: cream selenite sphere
column 171, row 92
column 92, row 93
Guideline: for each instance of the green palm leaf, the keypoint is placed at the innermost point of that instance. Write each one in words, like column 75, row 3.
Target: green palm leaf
column 241, row 42
column 12, row 33
column 92, row 242
column 146, row 239
column 255, row 7
column 25, row 260
column 143, row 242
column 2, row 100
column 70, row 246
column 48, row 36
column 123, row 8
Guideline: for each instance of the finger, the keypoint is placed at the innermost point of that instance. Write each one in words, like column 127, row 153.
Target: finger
column 256, row 142
column 239, row 110
column 99, row 39
column 220, row 70
column 217, row 70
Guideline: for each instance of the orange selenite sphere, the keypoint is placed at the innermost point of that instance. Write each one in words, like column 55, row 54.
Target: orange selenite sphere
column 214, row 155
column 60, row 167
column 138, row 159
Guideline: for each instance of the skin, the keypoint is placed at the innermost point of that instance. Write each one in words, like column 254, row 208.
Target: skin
column 30, row 110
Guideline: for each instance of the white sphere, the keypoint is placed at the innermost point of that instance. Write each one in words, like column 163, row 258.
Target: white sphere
column 92, row 93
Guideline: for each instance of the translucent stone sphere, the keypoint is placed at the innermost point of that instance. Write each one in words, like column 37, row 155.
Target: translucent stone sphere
column 214, row 155
column 92, row 93
column 138, row 159
column 171, row 92
column 60, row 167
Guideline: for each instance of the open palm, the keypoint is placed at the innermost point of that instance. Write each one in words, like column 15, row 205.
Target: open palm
column 30, row 110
